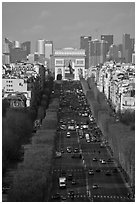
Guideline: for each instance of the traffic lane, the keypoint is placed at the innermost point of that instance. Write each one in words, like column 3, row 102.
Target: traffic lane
column 67, row 161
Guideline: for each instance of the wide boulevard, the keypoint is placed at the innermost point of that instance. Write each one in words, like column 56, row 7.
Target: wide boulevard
column 82, row 156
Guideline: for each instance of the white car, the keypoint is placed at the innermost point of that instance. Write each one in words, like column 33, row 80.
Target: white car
column 68, row 134
column 71, row 127
column 95, row 186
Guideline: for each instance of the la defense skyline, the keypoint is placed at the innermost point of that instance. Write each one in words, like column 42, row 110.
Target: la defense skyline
column 97, row 50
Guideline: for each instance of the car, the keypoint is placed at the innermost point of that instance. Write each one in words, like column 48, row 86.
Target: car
column 68, row 134
column 71, row 127
column 110, row 160
column 63, row 197
column 95, row 159
column 98, row 170
column 70, row 177
column 103, row 162
column 69, row 149
column 102, row 145
column 76, row 150
column 73, row 182
column 90, row 172
column 61, row 150
column 95, row 186
column 58, row 155
column 88, row 141
column 63, row 127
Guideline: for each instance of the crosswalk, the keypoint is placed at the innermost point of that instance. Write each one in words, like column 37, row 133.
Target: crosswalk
column 111, row 196
column 75, row 170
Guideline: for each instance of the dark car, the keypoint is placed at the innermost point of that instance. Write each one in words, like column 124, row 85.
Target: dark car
column 90, row 172
column 76, row 150
column 98, row 170
column 70, row 177
column 73, row 182
column 94, row 159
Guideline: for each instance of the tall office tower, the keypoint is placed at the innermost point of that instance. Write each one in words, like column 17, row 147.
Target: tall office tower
column 104, row 46
column 16, row 52
column 133, row 44
column 113, row 52
column 48, row 48
column 120, row 52
column 95, row 52
column 85, row 42
column 26, row 46
column 109, row 39
column 127, row 48
column 5, row 59
column 41, row 47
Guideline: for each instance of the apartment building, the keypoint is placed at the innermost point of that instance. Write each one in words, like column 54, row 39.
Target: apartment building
column 16, row 85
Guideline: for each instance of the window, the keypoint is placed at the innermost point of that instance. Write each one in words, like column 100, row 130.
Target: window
column 59, row 62
column 80, row 62
column 125, row 103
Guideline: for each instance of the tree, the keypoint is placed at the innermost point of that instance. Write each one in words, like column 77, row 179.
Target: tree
column 5, row 106
column 40, row 113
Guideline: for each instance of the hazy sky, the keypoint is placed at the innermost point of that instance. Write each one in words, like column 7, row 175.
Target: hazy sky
column 65, row 22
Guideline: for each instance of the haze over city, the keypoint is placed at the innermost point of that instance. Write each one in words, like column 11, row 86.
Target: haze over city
column 65, row 22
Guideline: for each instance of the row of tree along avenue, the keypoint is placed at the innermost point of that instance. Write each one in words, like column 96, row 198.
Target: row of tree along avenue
column 32, row 180
column 18, row 123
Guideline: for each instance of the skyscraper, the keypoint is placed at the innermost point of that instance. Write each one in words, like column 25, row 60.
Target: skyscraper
column 127, row 48
column 95, row 52
column 113, row 52
column 16, row 50
column 85, row 42
column 41, row 47
column 26, row 46
column 104, row 46
column 109, row 39
column 48, row 48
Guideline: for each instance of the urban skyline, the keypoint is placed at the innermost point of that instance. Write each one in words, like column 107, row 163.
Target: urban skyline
column 46, row 21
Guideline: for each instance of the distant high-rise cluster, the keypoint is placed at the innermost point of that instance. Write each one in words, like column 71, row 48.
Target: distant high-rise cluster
column 99, row 51
column 44, row 48
column 15, row 51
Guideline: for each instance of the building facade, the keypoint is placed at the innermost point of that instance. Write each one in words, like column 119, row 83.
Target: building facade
column 40, row 47
column 85, row 42
column 70, row 63
column 10, row 86
column 48, row 48
column 17, row 51
column 109, row 39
